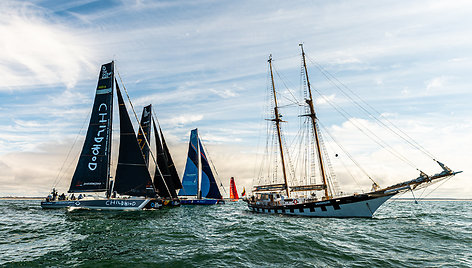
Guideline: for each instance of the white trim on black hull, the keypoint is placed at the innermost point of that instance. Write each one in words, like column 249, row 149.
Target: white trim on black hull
column 360, row 206
column 102, row 204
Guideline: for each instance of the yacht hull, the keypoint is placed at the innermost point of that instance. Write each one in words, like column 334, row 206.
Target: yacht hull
column 356, row 206
column 103, row 204
column 201, row 201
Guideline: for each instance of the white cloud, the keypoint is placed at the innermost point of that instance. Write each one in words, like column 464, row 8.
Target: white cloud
column 325, row 99
column 37, row 51
column 435, row 83
column 226, row 93
column 182, row 119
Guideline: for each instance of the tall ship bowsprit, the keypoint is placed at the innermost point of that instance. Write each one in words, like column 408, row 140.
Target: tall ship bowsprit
column 285, row 190
column 132, row 187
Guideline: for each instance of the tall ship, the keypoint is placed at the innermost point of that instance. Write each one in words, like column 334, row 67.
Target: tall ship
column 92, row 186
column 199, row 186
column 306, row 195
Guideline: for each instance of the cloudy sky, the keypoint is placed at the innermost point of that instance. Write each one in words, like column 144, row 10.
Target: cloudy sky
column 204, row 64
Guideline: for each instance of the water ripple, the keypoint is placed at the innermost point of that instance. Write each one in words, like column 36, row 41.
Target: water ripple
column 402, row 234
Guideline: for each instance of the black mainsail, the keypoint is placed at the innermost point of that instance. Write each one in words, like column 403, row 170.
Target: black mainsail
column 92, row 173
column 162, row 176
column 143, row 139
column 132, row 175
column 93, row 169
column 170, row 163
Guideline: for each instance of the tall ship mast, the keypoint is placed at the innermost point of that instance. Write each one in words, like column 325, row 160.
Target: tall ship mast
column 279, row 198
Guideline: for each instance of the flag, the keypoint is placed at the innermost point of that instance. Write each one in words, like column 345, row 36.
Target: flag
column 243, row 193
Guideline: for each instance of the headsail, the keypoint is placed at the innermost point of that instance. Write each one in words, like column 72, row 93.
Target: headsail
column 163, row 183
column 93, row 169
column 209, row 188
column 146, row 126
column 170, row 163
column 132, row 175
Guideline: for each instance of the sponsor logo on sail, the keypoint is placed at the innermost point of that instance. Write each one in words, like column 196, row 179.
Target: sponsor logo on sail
column 101, row 135
column 105, row 73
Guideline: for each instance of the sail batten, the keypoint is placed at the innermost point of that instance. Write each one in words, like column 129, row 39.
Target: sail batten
column 93, row 169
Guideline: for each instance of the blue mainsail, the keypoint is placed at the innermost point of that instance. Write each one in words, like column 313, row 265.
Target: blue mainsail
column 208, row 186
column 190, row 178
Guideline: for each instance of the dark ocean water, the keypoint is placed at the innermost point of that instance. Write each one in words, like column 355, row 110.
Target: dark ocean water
column 402, row 234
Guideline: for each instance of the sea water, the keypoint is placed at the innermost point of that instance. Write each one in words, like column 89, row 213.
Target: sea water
column 401, row 234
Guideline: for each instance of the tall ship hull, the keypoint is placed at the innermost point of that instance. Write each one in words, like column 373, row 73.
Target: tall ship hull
column 355, row 206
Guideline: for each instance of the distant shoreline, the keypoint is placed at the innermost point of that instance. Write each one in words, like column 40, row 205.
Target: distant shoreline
column 21, row 198
column 431, row 199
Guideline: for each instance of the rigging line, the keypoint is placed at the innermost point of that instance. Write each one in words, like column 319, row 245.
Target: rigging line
column 295, row 100
column 422, row 193
column 444, row 181
column 300, row 157
column 258, row 150
column 379, row 141
column 411, row 141
column 346, row 152
column 382, row 124
column 145, row 138
column 58, row 179
column 214, row 168
column 340, row 158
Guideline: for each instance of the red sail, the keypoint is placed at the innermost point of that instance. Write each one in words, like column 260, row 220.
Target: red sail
column 233, row 193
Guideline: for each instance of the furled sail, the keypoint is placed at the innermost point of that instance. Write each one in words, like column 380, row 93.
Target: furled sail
column 233, row 193
column 146, row 126
column 170, row 163
column 93, row 169
column 190, row 177
column 132, row 175
column 163, row 184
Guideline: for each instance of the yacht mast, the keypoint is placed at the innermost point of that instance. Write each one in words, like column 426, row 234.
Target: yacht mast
column 199, row 167
column 312, row 115
column 277, row 121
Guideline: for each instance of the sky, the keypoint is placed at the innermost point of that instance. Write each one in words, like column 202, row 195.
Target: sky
column 203, row 64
